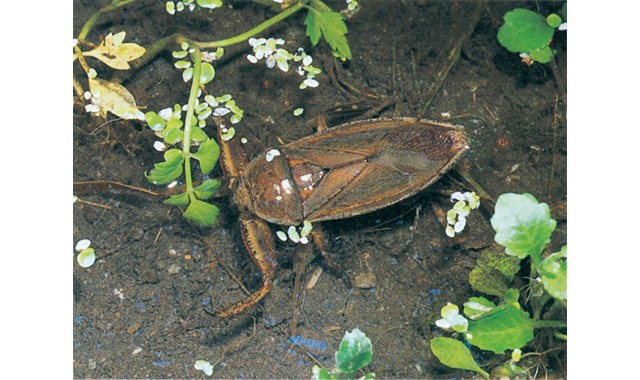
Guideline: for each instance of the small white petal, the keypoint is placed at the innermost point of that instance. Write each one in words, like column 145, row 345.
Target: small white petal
column 460, row 224
column 92, row 108
column 252, row 58
column 311, row 82
column 307, row 60
column 204, row 366
column 272, row 154
column 82, row 244
column 293, row 234
column 281, row 235
column 443, row 324
column 166, row 113
column 449, row 231
column 271, row 62
column 159, row 146
column 457, row 196
column 221, row 111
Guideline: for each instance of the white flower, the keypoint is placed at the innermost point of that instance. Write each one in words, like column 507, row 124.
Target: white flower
column 451, row 319
column 457, row 216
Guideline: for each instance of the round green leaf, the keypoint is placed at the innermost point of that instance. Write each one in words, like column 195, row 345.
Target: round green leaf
column 544, row 55
column 154, row 121
column 523, row 225
column 87, row 257
column 553, row 20
column 524, row 31
column 355, row 351
column 207, row 73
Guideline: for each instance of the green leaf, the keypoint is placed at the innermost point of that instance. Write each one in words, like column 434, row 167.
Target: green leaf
column 524, row 31
column 320, row 373
column 172, row 135
column 553, row 273
column 203, row 213
column 198, row 135
column 211, row 4
column 168, row 170
column 477, row 307
column 313, row 29
column 355, row 352
column 523, row 225
column 208, row 155
column 332, row 27
column 86, row 257
column 177, row 200
column 553, row 20
column 544, row 55
column 455, row 354
column 154, row 121
column 207, row 189
column 506, row 327
column 207, row 73
column 494, row 272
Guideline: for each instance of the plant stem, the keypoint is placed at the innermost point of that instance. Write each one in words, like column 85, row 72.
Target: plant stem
column 94, row 18
column 179, row 38
column 186, row 142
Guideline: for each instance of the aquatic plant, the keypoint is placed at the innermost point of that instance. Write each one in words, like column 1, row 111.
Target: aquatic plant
column 523, row 227
column 530, row 34
column 182, row 127
column 354, row 354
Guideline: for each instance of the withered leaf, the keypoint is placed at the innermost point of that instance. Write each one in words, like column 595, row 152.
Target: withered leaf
column 115, row 53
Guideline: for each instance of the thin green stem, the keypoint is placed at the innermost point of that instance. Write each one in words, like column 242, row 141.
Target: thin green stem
column 191, row 105
column 179, row 38
column 94, row 18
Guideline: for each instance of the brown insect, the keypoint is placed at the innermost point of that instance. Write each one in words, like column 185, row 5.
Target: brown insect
column 337, row 173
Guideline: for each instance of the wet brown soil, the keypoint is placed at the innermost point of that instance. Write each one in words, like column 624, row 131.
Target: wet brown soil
column 143, row 309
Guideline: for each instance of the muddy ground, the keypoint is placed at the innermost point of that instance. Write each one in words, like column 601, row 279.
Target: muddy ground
column 143, row 309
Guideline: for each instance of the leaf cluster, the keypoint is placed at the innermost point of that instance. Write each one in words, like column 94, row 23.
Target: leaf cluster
column 523, row 227
column 529, row 33
column 354, row 354
column 322, row 21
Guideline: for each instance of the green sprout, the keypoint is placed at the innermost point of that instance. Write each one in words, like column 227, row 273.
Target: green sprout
column 523, row 227
column 354, row 354
column 530, row 34
column 87, row 255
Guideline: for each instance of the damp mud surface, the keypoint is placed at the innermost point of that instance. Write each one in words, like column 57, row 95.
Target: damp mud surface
column 144, row 309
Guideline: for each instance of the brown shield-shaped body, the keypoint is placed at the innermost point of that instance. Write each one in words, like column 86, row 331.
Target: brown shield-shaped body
column 349, row 170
